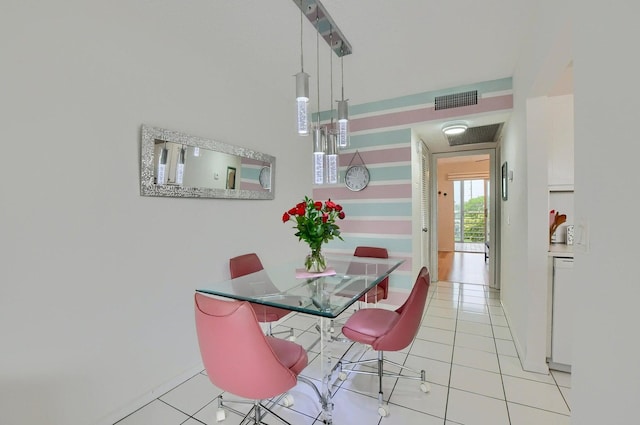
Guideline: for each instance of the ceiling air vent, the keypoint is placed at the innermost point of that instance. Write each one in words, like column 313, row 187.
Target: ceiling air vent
column 481, row 134
column 457, row 100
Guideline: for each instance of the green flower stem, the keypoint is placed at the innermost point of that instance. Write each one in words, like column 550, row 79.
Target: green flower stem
column 315, row 262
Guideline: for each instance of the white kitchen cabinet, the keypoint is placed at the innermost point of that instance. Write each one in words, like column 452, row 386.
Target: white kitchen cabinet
column 560, row 143
column 562, row 314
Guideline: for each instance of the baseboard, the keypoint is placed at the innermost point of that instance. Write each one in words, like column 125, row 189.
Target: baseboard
column 559, row 366
column 526, row 364
column 147, row 398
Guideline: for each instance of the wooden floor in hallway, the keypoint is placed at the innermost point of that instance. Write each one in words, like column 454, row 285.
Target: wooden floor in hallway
column 463, row 267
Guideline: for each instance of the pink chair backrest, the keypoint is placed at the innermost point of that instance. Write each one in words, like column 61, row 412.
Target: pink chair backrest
column 406, row 327
column 244, row 264
column 250, row 263
column 235, row 352
column 374, row 252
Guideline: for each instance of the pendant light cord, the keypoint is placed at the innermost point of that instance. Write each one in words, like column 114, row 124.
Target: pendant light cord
column 301, row 49
column 342, row 71
column 318, row 64
column 331, row 73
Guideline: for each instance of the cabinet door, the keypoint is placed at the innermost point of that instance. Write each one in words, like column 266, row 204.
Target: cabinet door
column 562, row 311
column 560, row 172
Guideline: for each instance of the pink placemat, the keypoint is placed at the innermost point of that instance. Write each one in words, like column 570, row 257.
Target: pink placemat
column 302, row 273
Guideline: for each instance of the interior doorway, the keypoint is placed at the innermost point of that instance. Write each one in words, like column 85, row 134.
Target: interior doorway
column 465, row 221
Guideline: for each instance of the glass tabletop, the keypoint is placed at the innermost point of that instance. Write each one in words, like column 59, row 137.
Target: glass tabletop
column 327, row 294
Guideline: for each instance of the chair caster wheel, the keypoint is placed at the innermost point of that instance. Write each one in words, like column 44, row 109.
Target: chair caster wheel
column 221, row 415
column 342, row 376
column 383, row 411
column 425, row 387
column 287, row 401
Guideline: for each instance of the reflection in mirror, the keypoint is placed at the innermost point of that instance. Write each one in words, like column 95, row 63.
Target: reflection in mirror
column 179, row 165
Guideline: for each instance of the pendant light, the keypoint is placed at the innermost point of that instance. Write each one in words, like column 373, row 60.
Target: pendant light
column 319, row 143
column 302, row 91
column 162, row 165
column 180, row 167
column 332, row 147
column 343, row 111
column 319, row 139
column 332, row 158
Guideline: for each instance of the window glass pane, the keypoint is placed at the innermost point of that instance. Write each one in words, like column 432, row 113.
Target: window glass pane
column 457, row 211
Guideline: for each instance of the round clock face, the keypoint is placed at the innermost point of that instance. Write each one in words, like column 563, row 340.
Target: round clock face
column 357, row 177
column 265, row 177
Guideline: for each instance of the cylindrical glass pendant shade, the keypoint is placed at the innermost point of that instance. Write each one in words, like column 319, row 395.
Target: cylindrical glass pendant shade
column 332, row 158
column 180, row 167
column 302, row 101
column 162, row 165
column 319, row 143
column 343, row 123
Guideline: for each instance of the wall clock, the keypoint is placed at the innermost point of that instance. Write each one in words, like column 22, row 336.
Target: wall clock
column 265, row 177
column 357, row 176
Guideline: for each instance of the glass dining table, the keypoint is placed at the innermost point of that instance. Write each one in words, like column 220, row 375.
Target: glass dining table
column 324, row 295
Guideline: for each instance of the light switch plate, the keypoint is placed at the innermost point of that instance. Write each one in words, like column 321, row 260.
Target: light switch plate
column 581, row 235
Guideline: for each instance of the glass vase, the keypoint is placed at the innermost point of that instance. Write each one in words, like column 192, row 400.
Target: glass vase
column 315, row 262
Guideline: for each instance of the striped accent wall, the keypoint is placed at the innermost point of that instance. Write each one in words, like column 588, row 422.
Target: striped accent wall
column 381, row 214
column 250, row 174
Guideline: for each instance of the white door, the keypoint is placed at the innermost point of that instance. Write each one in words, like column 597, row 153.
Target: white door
column 425, row 205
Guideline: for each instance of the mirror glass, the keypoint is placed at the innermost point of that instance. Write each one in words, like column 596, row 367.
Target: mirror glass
column 180, row 165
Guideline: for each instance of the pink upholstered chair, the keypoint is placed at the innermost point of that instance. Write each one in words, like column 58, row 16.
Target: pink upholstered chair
column 250, row 263
column 241, row 360
column 388, row 330
column 381, row 291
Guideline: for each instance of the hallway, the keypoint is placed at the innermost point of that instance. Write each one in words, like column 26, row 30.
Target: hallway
column 463, row 267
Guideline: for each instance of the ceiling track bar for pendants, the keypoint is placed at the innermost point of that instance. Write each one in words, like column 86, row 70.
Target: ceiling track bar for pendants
column 325, row 26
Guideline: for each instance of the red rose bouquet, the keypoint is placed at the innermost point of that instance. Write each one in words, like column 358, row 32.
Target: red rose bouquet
column 315, row 224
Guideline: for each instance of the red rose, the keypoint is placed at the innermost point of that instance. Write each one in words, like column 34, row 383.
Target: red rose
column 318, row 205
column 285, row 217
column 331, row 205
column 325, row 217
column 292, row 211
column 341, row 215
column 301, row 210
column 338, row 207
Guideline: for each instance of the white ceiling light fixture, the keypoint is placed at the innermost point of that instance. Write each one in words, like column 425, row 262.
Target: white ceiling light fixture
column 452, row 129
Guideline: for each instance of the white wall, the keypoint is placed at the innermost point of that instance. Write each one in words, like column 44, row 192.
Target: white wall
column 606, row 376
column 545, row 55
column 605, row 379
column 97, row 281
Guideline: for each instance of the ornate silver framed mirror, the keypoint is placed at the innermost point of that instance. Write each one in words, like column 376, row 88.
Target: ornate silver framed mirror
column 180, row 165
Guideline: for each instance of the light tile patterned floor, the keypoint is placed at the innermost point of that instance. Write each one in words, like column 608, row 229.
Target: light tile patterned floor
column 464, row 344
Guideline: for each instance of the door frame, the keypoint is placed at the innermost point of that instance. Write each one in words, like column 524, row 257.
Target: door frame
column 494, row 231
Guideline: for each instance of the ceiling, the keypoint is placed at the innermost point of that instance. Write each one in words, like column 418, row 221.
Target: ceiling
column 400, row 48
column 414, row 46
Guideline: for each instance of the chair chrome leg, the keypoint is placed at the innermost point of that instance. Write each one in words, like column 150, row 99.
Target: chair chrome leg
column 256, row 419
column 255, row 415
column 380, row 375
column 347, row 367
column 289, row 332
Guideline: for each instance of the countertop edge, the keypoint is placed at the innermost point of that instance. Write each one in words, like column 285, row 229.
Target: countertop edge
column 560, row 250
